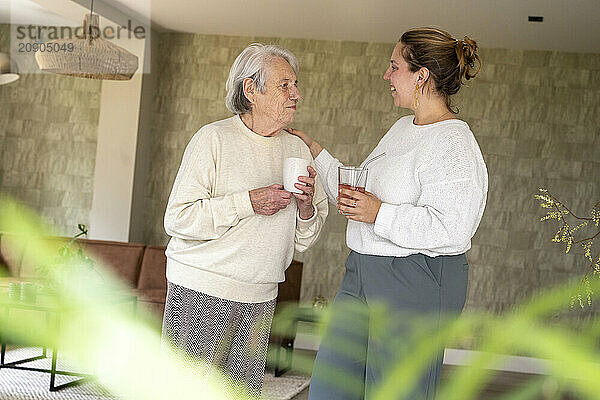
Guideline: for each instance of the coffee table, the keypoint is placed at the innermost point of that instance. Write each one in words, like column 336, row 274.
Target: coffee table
column 52, row 313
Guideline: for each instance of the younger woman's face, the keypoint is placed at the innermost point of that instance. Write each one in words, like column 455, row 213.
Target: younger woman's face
column 402, row 81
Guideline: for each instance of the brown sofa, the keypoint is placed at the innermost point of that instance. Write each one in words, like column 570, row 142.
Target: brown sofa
column 141, row 267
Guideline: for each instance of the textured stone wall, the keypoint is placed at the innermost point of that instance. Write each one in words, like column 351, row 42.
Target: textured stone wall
column 537, row 119
column 535, row 114
column 48, row 129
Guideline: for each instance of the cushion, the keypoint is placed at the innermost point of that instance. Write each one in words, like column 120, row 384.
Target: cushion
column 154, row 269
column 124, row 259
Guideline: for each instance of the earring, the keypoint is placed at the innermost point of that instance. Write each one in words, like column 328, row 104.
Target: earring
column 417, row 96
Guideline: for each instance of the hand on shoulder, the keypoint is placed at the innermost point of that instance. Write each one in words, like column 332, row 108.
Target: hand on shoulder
column 314, row 147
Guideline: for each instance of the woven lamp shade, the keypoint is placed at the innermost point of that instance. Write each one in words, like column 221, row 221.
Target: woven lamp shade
column 92, row 57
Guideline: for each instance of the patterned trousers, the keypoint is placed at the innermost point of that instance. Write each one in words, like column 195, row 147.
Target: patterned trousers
column 228, row 335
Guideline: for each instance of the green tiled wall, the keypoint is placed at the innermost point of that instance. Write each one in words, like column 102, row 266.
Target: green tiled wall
column 48, row 130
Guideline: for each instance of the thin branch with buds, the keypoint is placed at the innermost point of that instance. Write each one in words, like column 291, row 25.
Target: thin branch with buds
column 565, row 234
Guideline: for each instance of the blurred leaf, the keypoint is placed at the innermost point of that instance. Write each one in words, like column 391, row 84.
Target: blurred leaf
column 530, row 390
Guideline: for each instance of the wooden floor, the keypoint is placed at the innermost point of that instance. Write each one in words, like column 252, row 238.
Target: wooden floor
column 502, row 383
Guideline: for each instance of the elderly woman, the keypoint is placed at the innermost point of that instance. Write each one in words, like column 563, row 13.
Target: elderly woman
column 233, row 227
column 409, row 232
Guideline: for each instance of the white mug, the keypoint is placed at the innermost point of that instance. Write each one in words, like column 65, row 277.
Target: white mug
column 292, row 169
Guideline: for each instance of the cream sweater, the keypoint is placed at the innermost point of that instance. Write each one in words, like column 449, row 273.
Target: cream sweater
column 433, row 185
column 218, row 245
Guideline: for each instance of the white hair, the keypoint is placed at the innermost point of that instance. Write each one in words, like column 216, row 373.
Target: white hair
column 252, row 63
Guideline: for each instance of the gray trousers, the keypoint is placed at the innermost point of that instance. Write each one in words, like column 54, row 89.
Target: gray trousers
column 383, row 307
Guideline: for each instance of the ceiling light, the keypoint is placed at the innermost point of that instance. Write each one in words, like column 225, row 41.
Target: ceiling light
column 8, row 69
column 89, row 56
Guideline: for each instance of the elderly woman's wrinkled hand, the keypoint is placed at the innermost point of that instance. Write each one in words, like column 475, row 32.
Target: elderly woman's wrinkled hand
column 358, row 206
column 305, row 205
column 269, row 199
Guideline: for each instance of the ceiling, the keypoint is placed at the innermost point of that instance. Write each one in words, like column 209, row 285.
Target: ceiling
column 27, row 12
column 572, row 25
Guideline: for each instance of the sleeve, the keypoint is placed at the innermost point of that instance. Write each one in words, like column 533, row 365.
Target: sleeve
column 192, row 212
column 327, row 168
column 307, row 231
column 447, row 209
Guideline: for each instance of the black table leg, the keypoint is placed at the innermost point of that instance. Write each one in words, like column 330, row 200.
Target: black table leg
column 53, row 370
column 2, row 353
column 2, row 342
column 44, row 352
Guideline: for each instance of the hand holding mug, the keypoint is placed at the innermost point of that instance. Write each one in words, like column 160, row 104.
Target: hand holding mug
column 269, row 199
column 305, row 205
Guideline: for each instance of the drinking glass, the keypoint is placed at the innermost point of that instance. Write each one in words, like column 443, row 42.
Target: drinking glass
column 352, row 178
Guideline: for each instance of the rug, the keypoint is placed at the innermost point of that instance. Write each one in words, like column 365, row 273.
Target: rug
column 29, row 385
column 284, row 387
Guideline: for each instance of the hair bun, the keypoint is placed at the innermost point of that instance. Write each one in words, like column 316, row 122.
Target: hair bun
column 466, row 51
column 449, row 61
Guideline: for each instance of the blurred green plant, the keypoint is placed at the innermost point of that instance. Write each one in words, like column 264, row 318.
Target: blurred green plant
column 70, row 255
column 569, row 356
column 125, row 351
column 566, row 234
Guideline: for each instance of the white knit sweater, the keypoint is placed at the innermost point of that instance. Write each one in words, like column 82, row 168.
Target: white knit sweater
column 433, row 185
column 218, row 245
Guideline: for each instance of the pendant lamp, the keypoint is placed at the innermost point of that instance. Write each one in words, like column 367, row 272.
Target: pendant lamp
column 89, row 56
column 8, row 69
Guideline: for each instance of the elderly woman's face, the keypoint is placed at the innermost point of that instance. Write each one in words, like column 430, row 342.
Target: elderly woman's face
column 278, row 104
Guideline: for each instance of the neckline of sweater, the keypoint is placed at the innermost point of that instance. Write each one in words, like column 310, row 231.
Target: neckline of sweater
column 450, row 121
column 268, row 140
